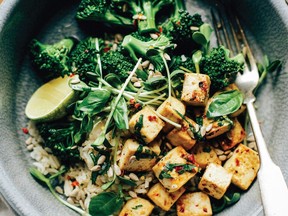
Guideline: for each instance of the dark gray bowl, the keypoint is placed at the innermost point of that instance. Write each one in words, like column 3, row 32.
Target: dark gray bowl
column 20, row 21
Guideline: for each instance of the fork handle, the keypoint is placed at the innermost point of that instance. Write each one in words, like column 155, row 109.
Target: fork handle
column 274, row 192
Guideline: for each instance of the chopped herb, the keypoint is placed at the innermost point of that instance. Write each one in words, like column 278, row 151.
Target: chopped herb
column 137, row 206
column 137, row 128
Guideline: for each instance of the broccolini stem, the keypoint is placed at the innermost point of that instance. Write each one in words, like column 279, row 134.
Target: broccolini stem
column 98, row 59
column 149, row 24
column 168, row 75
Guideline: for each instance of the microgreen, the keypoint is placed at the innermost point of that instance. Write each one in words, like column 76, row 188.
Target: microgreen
column 48, row 182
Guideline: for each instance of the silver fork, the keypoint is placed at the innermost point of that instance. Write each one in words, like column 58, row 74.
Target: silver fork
column 274, row 192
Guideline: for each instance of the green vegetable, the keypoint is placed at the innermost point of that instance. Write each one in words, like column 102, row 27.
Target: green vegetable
column 120, row 114
column 202, row 36
column 179, row 168
column 221, row 69
column 105, row 204
column 225, row 103
column 48, row 182
column 227, row 200
column 52, row 60
column 196, row 58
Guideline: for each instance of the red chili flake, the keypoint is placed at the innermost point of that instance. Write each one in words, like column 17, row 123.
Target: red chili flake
column 137, row 105
column 247, row 150
column 184, row 128
column 126, row 214
column 178, row 23
column 160, row 29
column 237, row 162
column 178, row 168
column 75, row 183
column 25, row 130
column 106, row 49
column 205, row 209
column 132, row 101
column 152, row 118
column 68, row 177
column 182, row 209
column 191, row 158
column 156, row 194
column 71, row 75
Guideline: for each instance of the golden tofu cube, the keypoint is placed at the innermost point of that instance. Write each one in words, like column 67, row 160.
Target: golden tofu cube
column 196, row 204
column 196, row 89
column 137, row 207
column 167, row 109
column 146, row 123
column 215, row 181
column 175, row 169
column 162, row 198
column 155, row 145
column 205, row 154
column 217, row 126
column 233, row 137
column 244, row 165
column 182, row 137
column 136, row 157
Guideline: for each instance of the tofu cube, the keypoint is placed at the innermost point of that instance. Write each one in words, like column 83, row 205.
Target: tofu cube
column 162, row 198
column 205, row 154
column 137, row 207
column 167, row 109
column 151, row 124
column 175, row 169
column 217, row 126
column 182, row 137
column 196, row 204
column 233, row 137
column 244, row 165
column 215, row 181
column 136, row 157
column 155, row 145
column 196, row 89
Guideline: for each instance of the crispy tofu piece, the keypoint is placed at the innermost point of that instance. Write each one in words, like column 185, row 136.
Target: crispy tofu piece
column 244, row 165
column 168, row 169
column 162, row 198
column 217, row 126
column 137, row 207
column 152, row 124
column 233, row 137
column 205, row 154
column 155, row 145
column 196, row 89
column 136, row 157
column 215, row 181
column 167, row 109
column 196, row 204
column 181, row 137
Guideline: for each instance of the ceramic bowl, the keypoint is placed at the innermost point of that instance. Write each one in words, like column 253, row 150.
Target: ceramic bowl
column 49, row 21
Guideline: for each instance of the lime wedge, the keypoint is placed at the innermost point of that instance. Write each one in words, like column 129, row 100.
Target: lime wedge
column 50, row 100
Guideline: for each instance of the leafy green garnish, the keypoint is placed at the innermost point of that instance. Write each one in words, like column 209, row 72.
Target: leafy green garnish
column 202, row 36
column 225, row 103
column 105, row 204
column 120, row 114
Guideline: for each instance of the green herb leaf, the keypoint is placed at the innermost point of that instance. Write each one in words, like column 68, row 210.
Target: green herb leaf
column 137, row 206
column 105, row 204
column 225, row 103
column 120, row 114
column 113, row 80
column 127, row 181
column 94, row 102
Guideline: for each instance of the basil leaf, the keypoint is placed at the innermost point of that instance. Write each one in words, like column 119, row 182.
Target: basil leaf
column 105, row 204
column 94, row 102
column 127, row 181
column 113, row 80
column 225, row 103
column 120, row 114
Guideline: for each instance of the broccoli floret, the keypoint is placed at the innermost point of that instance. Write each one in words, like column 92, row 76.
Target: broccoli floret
column 148, row 49
column 84, row 56
column 180, row 62
column 102, row 12
column 143, row 11
column 117, row 63
column 142, row 37
column 59, row 137
column 221, row 69
column 52, row 59
column 180, row 27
